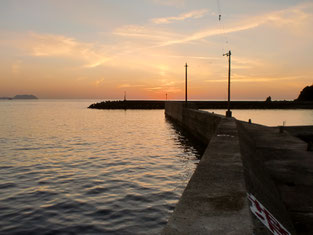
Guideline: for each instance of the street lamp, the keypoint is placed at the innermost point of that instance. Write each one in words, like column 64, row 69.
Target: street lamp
column 228, row 112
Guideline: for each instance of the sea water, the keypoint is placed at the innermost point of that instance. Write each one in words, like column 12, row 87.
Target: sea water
column 66, row 169
column 272, row 117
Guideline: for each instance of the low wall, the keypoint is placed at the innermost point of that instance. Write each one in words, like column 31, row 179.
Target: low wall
column 258, row 181
column 284, row 167
column 202, row 125
column 247, row 182
column 214, row 201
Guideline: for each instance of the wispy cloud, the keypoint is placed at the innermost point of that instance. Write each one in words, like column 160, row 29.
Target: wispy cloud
column 210, row 32
column 59, row 45
column 127, row 85
column 52, row 45
column 165, row 86
column 162, row 90
column 188, row 15
column 246, row 63
column 158, row 37
column 243, row 79
column 144, row 32
column 148, row 37
column 99, row 82
column 288, row 17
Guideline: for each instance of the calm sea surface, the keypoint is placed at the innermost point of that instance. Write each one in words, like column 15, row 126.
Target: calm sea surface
column 272, row 117
column 66, row 169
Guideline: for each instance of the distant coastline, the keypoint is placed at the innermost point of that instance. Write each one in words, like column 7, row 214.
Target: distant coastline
column 304, row 101
column 20, row 97
column 147, row 104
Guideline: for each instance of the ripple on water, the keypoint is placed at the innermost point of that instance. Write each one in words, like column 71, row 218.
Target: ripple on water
column 71, row 170
column 7, row 185
column 97, row 190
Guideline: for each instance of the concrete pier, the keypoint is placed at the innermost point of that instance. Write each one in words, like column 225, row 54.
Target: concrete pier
column 252, row 179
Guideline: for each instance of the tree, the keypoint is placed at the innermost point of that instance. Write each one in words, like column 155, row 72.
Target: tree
column 306, row 94
column 268, row 99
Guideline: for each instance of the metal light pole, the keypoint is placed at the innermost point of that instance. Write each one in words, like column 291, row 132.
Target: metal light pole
column 228, row 112
column 186, row 83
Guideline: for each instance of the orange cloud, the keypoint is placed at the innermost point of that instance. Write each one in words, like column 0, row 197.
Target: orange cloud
column 287, row 17
column 244, row 78
column 292, row 16
column 188, row 15
column 51, row 45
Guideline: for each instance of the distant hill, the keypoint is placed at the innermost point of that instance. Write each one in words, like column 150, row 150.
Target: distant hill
column 24, row 97
column 20, row 97
column 306, row 94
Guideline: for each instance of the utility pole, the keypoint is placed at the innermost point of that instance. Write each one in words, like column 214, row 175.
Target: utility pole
column 228, row 112
column 186, row 83
column 124, row 95
column 166, row 96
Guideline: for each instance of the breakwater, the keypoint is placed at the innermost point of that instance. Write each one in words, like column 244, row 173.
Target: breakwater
column 129, row 104
column 160, row 104
column 252, row 179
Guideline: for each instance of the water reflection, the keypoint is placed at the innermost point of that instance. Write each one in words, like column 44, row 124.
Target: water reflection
column 186, row 140
column 68, row 169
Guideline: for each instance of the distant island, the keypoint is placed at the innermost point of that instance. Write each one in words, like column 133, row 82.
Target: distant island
column 20, row 97
column 25, row 97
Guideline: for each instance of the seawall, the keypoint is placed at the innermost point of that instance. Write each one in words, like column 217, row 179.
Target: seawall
column 160, row 104
column 249, row 180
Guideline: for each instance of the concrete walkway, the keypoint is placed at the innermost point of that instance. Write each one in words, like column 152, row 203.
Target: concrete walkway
column 214, row 202
column 252, row 179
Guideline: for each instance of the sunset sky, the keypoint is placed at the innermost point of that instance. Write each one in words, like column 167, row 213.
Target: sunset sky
column 101, row 48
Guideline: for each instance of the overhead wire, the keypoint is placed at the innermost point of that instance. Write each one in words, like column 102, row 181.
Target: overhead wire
column 225, row 45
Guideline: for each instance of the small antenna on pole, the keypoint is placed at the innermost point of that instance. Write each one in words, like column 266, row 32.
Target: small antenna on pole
column 124, row 95
column 166, row 96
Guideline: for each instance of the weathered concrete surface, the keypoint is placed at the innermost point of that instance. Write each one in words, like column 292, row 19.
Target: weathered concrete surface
column 290, row 167
column 303, row 132
column 299, row 130
column 202, row 125
column 271, row 138
column 255, row 141
column 274, row 166
column 214, row 201
column 175, row 111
